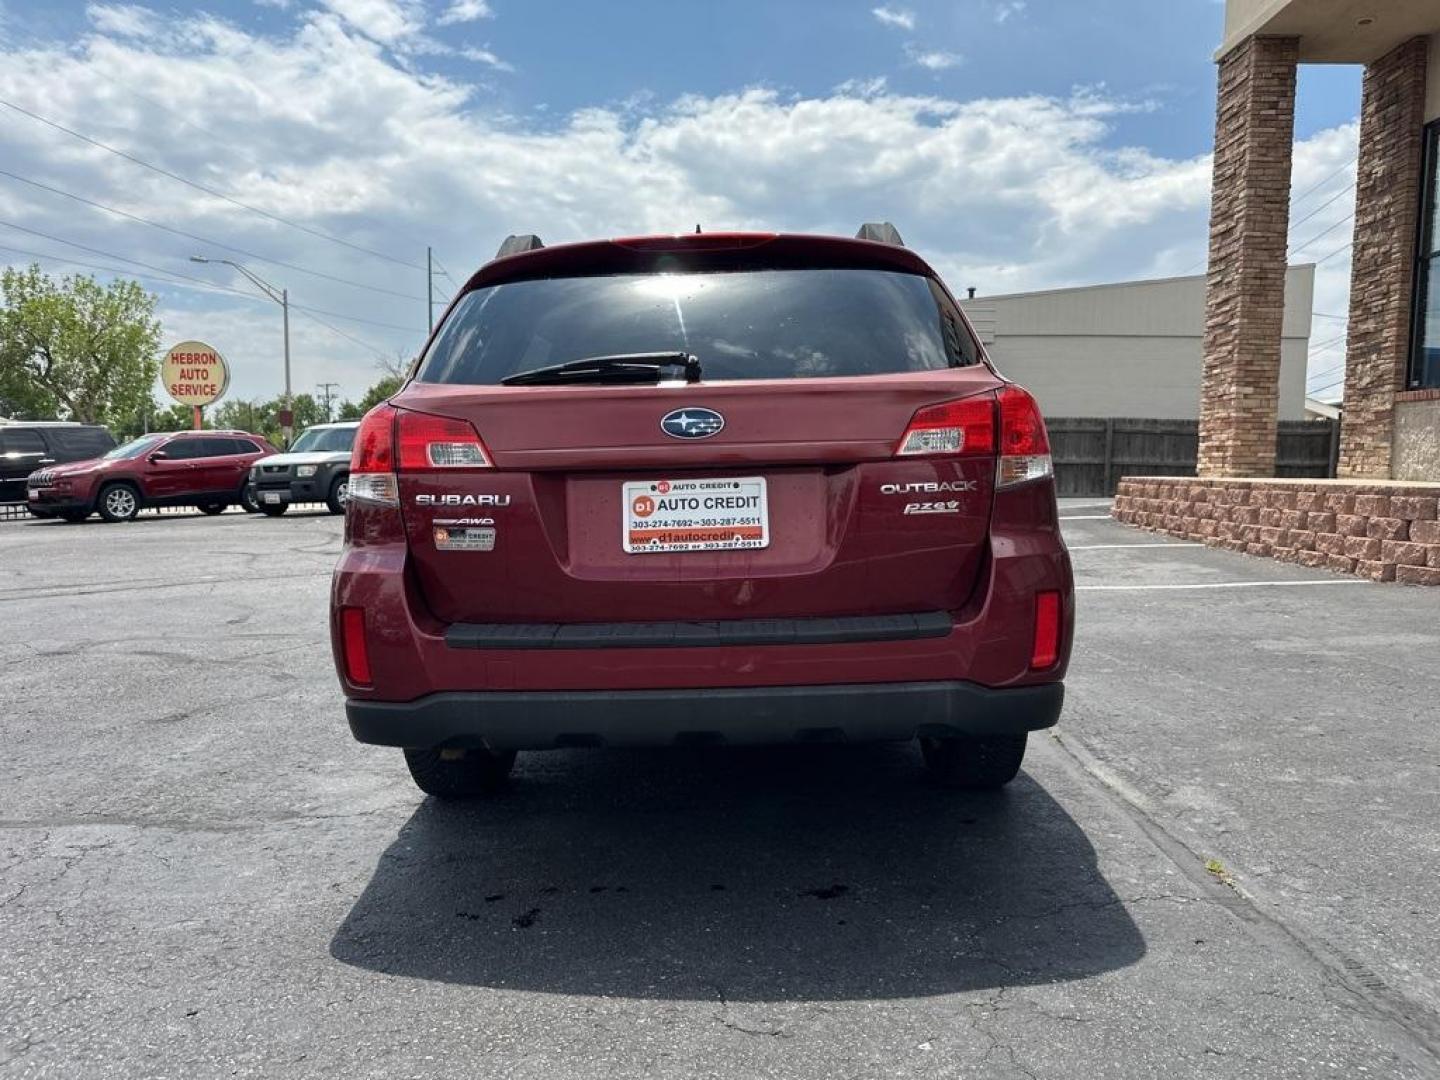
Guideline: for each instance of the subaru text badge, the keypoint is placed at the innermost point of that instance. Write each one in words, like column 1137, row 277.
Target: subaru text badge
column 692, row 423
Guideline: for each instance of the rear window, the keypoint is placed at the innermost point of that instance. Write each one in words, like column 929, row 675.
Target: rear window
column 753, row 324
column 325, row 440
column 81, row 441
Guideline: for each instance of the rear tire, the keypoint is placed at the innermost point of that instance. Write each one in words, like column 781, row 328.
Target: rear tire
column 214, row 507
column 459, row 774
column 981, row 763
column 248, row 502
column 118, row 502
column 339, row 495
column 274, row 509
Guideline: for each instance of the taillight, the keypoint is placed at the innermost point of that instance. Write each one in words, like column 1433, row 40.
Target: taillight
column 372, row 459
column 392, row 441
column 438, row 442
column 951, row 428
column 1024, row 445
column 1046, row 647
column 353, row 647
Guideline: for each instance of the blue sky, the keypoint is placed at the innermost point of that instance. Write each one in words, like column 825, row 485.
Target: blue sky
column 1018, row 145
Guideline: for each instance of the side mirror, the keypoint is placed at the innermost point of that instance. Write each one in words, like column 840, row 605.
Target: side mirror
column 159, row 455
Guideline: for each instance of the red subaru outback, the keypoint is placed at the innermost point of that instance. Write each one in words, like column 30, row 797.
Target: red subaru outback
column 715, row 488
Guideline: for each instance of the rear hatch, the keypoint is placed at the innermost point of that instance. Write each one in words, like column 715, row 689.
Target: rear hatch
column 783, row 483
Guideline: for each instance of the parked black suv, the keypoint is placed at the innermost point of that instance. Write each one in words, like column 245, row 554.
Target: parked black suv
column 27, row 446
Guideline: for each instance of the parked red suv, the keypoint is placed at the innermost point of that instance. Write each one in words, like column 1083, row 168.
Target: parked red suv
column 208, row 469
column 717, row 488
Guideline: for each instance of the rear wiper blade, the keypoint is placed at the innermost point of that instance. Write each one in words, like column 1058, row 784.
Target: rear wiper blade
column 616, row 367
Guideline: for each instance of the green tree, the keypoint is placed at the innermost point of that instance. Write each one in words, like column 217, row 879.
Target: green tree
column 75, row 348
column 385, row 388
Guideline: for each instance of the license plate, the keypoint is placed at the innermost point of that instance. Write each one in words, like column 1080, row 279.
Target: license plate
column 271, row 497
column 726, row 514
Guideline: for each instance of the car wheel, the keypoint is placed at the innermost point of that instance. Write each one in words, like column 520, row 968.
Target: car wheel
column 74, row 516
column 118, row 502
column 339, row 495
column 274, row 509
column 459, row 774
column 248, row 502
column 980, row 763
column 213, row 508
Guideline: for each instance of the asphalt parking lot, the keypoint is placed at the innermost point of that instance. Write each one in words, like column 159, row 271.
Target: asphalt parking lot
column 1223, row 864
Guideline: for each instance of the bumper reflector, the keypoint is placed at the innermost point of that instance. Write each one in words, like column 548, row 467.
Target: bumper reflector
column 352, row 641
column 1046, row 649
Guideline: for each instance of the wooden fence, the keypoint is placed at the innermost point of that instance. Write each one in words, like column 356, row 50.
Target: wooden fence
column 1091, row 455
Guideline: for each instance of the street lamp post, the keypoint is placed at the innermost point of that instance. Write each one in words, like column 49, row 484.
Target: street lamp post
column 281, row 297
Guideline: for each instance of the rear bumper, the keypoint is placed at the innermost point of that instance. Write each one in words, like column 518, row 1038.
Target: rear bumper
column 543, row 720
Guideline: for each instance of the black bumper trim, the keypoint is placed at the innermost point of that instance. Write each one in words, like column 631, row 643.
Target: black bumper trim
column 856, row 712
column 661, row 635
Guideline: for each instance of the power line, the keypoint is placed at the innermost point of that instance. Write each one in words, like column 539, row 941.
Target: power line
column 320, row 233
column 1343, row 191
column 203, row 239
column 348, row 337
column 1322, row 315
column 1338, row 251
column 1301, row 247
column 191, row 277
column 119, row 271
column 1322, row 183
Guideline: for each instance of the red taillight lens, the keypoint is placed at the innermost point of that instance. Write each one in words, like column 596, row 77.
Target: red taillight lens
column 952, row 428
column 353, row 647
column 438, row 442
column 1046, row 648
column 1024, row 444
column 372, row 459
column 374, row 447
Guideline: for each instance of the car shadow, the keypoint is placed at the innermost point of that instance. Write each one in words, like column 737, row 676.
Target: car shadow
column 806, row 873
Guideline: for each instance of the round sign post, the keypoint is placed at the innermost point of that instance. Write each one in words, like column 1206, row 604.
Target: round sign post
column 195, row 374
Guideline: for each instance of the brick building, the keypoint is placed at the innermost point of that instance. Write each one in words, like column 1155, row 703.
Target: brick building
column 1390, row 431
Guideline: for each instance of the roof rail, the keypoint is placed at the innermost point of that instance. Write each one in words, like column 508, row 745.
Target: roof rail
column 882, row 232
column 515, row 244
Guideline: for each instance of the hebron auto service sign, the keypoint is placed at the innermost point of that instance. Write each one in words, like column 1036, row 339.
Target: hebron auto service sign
column 195, row 373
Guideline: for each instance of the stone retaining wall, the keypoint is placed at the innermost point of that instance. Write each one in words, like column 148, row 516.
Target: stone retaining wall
column 1385, row 531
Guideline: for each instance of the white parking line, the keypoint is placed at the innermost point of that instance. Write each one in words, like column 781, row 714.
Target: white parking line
column 1218, row 585
column 1085, row 517
column 1107, row 547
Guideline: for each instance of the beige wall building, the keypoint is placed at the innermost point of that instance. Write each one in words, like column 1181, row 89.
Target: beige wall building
column 1132, row 349
column 1391, row 426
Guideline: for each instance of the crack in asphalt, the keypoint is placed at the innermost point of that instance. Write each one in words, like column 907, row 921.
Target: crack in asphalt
column 48, row 592
column 1414, row 1028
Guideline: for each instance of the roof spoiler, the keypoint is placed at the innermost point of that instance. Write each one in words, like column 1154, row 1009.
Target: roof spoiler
column 881, row 232
column 514, row 245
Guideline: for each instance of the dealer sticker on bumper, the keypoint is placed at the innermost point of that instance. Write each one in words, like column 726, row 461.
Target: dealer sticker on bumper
column 727, row 514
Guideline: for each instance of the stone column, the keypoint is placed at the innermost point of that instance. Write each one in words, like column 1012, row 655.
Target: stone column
column 1245, row 292
column 1387, row 208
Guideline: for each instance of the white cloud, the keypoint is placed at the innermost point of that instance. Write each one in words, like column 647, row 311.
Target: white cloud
column 901, row 17
column 386, row 21
column 462, row 11
column 933, row 59
column 486, row 57
column 324, row 125
column 123, row 20
column 1007, row 9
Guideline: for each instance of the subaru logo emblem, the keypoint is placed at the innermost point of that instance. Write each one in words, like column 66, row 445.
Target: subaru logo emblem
column 693, row 423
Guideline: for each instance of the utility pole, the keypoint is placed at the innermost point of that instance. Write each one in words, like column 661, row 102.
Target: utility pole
column 281, row 297
column 326, row 396
column 429, row 289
